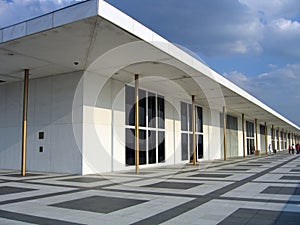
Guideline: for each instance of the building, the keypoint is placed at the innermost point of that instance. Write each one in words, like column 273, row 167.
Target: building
column 81, row 69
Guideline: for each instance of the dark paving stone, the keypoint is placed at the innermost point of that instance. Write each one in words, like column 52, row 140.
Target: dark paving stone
column 295, row 170
column 99, row 204
column 32, row 219
column 84, row 179
column 134, row 173
column 261, row 217
column 282, row 190
column 11, row 190
column 235, row 169
column 27, row 175
column 290, row 178
column 254, row 165
column 213, row 175
column 173, row 185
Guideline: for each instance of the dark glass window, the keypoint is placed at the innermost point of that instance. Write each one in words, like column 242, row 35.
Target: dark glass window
column 261, row 129
column 151, row 146
column 130, row 147
column 200, row 146
column 190, row 117
column 161, row 146
column 142, row 145
column 130, row 102
column 250, row 146
column 142, row 108
column 191, row 147
column 199, row 120
column 151, row 141
column 151, row 110
column 231, row 122
column 249, row 129
column 161, row 111
column 184, row 117
column 184, row 146
column 187, row 148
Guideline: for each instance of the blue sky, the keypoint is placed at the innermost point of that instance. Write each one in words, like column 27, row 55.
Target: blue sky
column 254, row 43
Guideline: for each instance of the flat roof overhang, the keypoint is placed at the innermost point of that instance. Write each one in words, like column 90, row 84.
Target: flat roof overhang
column 73, row 39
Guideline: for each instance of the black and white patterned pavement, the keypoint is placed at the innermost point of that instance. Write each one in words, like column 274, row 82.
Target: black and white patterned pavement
column 256, row 190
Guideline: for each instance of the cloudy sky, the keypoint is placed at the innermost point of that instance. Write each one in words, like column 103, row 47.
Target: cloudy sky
column 254, row 43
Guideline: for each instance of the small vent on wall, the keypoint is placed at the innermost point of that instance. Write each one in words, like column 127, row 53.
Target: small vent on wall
column 41, row 135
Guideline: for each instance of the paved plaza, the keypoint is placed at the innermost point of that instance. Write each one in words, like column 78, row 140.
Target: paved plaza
column 253, row 190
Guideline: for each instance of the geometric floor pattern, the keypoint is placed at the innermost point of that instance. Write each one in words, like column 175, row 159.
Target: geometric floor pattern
column 253, row 190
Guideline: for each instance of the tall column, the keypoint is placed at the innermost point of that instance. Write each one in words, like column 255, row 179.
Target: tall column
column 137, row 127
column 256, row 135
column 194, row 129
column 278, row 138
column 24, row 124
column 283, row 139
column 224, row 130
column 244, row 138
column 266, row 138
column 286, row 140
column 273, row 137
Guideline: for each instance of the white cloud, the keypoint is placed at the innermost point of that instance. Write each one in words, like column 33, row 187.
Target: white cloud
column 281, row 26
column 278, row 88
column 285, row 25
column 239, row 79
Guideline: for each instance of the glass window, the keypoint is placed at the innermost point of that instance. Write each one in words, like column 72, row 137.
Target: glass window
column 161, row 146
column 249, row 129
column 130, row 147
column 151, row 146
column 250, row 146
column 130, row 102
column 184, row 146
column 199, row 119
column 142, row 145
column 151, row 110
column 200, row 146
column 142, row 108
column 151, row 133
column 190, row 117
column 161, row 111
column 231, row 122
column 183, row 108
column 262, row 129
column 187, row 148
column 191, row 146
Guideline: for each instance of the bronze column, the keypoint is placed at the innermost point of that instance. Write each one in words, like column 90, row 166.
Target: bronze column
column 224, row 130
column 24, row 123
column 244, row 138
column 266, row 138
column 137, row 146
column 194, row 129
column 256, row 136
